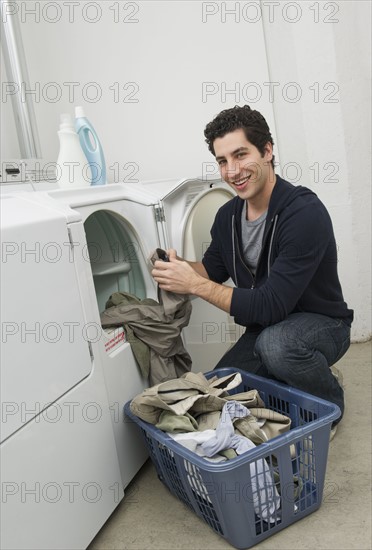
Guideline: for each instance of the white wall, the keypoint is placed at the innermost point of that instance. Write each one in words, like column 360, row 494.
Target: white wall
column 324, row 136
column 9, row 147
column 139, row 71
column 152, row 74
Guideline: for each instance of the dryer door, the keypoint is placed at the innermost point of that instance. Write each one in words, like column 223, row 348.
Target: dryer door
column 45, row 349
column 189, row 208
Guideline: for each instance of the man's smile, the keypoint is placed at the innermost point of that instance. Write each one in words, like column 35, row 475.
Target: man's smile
column 241, row 182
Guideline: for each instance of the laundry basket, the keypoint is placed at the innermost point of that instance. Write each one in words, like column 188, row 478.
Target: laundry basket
column 232, row 497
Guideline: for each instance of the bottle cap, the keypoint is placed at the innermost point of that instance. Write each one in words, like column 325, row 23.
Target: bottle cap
column 79, row 112
column 66, row 122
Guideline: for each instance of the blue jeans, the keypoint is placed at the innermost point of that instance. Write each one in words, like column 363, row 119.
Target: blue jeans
column 298, row 351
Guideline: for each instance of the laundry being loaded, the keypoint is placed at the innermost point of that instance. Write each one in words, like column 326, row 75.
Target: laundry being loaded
column 153, row 329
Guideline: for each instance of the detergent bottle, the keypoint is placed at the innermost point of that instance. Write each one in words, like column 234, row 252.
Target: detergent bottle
column 73, row 169
column 91, row 146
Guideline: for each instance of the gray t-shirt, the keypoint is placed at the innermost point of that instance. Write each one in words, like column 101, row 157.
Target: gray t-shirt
column 252, row 234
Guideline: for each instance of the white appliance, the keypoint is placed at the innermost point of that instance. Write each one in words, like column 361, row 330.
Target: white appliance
column 60, row 476
column 64, row 462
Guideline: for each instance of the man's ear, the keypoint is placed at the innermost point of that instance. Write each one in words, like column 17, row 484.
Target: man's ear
column 268, row 151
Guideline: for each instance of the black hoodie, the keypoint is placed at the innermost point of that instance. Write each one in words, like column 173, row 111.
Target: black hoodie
column 297, row 266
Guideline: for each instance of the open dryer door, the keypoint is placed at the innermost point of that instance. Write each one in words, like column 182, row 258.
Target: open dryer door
column 199, row 220
column 187, row 211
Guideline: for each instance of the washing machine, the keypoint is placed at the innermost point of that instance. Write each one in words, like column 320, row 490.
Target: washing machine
column 63, row 253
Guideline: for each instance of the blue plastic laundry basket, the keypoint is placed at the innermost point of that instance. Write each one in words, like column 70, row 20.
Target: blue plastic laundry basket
column 225, row 494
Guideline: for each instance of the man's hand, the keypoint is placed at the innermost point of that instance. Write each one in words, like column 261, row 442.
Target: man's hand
column 176, row 275
column 180, row 277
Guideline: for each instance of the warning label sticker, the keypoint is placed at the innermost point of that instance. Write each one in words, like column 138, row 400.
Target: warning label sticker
column 115, row 338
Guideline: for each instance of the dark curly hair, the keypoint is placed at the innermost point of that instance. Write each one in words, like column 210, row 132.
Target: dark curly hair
column 252, row 122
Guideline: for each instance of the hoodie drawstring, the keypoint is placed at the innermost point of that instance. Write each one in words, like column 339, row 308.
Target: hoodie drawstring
column 271, row 245
column 233, row 247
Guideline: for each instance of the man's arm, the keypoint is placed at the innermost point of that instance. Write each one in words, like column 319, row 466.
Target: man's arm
column 184, row 277
column 214, row 293
column 197, row 266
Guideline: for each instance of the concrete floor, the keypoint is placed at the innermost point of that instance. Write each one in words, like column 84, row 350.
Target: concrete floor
column 150, row 517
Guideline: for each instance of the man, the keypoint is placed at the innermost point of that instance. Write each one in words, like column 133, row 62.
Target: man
column 276, row 242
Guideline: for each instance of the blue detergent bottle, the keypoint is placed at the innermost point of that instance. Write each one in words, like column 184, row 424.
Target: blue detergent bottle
column 91, row 146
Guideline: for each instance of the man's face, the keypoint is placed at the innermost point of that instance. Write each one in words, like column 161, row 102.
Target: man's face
column 242, row 166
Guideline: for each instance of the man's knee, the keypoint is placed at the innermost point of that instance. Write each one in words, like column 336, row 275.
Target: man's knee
column 275, row 344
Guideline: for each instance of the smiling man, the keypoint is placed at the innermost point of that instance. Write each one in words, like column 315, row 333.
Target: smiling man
column 276, row 242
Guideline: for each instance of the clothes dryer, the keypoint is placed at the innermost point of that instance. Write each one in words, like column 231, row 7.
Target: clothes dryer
column 166, row 213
